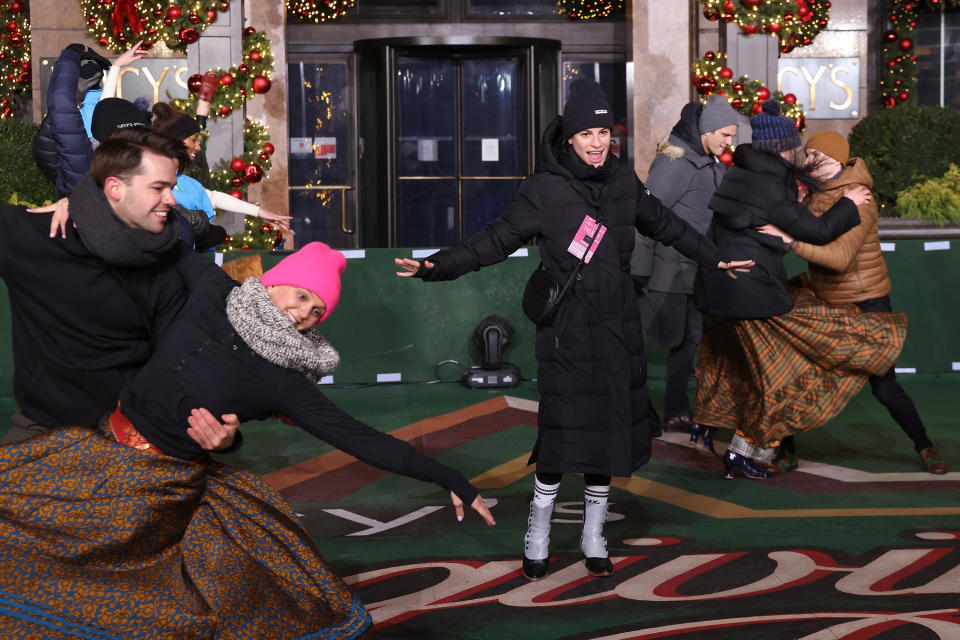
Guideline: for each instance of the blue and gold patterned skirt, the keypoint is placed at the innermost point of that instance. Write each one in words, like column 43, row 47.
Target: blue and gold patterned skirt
column 104, row 540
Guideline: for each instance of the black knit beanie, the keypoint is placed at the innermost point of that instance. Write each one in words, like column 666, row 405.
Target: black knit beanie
column 773, row 132
column 112, row 114
column 586, row 108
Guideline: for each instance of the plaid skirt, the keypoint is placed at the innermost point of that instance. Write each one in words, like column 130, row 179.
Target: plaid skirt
column 773, row 377
column 108, row 541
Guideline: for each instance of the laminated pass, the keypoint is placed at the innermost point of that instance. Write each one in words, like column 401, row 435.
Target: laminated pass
column 587, row 239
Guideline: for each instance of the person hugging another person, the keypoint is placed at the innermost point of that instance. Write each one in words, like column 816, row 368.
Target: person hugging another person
column 775, row 360
column 851, row 270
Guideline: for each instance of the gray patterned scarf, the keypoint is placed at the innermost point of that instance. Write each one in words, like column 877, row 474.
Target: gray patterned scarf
column 268, row 331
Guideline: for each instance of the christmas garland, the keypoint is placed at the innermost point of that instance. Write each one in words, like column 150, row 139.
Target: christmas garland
column 117, row 25
column 238, row 83
column 795, row 22
column 588, row 9
column 318, row 10
column 15, row 74
column 899, row 54
column 233, row 177
column 746, row 95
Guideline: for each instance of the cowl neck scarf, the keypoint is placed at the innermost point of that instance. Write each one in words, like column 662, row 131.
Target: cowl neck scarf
column 110, row 238
column 268, row 331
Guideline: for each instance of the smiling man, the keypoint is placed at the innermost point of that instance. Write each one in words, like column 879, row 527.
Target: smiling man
column 87, row 308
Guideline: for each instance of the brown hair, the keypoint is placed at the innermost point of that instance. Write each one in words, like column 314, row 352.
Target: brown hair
column 172, row 121
column 121, row 154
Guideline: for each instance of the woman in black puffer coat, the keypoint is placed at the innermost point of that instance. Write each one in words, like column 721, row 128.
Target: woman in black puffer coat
column 594, row 415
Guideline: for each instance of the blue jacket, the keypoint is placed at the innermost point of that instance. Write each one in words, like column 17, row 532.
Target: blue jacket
column 66, row 124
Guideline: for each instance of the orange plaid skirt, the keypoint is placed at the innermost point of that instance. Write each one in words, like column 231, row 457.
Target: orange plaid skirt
column 773, row 377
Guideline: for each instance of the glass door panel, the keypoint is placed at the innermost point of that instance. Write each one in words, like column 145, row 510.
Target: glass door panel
column 461, row 143
column 320, row 163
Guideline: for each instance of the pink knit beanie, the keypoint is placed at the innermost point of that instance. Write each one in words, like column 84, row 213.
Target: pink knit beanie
column 316, row 268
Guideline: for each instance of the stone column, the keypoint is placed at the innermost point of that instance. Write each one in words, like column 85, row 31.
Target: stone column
column 660, row 50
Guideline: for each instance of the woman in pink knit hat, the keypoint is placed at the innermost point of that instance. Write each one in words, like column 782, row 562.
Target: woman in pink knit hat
column 144, row 534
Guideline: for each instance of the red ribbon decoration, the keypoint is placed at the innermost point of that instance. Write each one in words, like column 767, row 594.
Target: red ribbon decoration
column 125, row 9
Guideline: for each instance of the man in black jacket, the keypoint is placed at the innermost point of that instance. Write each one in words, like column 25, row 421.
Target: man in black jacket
column 87, row 308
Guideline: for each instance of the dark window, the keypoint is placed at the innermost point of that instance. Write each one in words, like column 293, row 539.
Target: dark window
column 937, row 39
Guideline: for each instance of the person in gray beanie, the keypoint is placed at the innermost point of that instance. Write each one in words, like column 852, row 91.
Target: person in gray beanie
column 684, row 175
column 582, row 206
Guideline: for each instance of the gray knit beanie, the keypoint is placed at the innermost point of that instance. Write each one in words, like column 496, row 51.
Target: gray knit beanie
column 717, row 114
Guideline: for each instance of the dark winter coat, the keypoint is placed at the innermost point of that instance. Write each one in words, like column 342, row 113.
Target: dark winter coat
column 761, row 189
column 683, row 177
column 594, row 412
column 81, row 327
column 61, row 147
column 202, row 362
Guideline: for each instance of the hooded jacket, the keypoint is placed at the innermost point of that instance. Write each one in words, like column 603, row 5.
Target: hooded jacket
column 684, row 177
column 594, row 412
column 761, row 188
column 851, row 268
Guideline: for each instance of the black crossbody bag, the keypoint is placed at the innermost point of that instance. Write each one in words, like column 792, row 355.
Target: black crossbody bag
column 544, row 293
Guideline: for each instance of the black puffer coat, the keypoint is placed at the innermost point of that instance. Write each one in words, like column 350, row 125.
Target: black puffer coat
column 594, row 411
column 761, row 189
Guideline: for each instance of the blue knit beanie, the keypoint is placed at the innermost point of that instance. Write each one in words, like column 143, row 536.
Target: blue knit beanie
column 773, row 132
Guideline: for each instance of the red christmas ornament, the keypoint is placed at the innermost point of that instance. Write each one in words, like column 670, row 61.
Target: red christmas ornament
column 709, row 55
column 193, row 17
column 905, row 44
column 211, row 15
column 774, row 27
column 16, row 40
column 24, row 77
column 726, row 157
column 224, row 6
column 904, row 96
column 226, row 79
column 193, row 83
column 16, row 7
column 265, row 228
column 174, row 13
column 264, row 155
column 261, row 84
column 706, row 85
column 12, row 26
column 801, row 122
column 243, row 68
column 750, row 28
column 249, row 31
column 236, row 193
column 189, row 35
column 253, row 173
column 726, row 72
column 763, row 94
column 710, row 15
column 256, row 56
column 269, row 148
column 25, row 66
column 225, row 110
column 729, row 7
column 168, row 21
column 750, row 4
column 91, row 21
column 737, row 86
column 736, row 103
column 236, row 181
column 790, row 99
column 756, row 108
column 237, row 164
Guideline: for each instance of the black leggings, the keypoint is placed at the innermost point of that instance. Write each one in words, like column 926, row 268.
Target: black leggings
column 593, row 479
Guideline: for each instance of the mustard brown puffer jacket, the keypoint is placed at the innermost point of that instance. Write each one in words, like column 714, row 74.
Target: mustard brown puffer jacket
column 851, row 268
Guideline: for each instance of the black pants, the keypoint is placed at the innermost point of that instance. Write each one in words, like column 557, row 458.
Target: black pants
column 593, row 479
column 888, row 391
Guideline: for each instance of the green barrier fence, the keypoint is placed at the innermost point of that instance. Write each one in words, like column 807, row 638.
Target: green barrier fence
column 389, row 328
